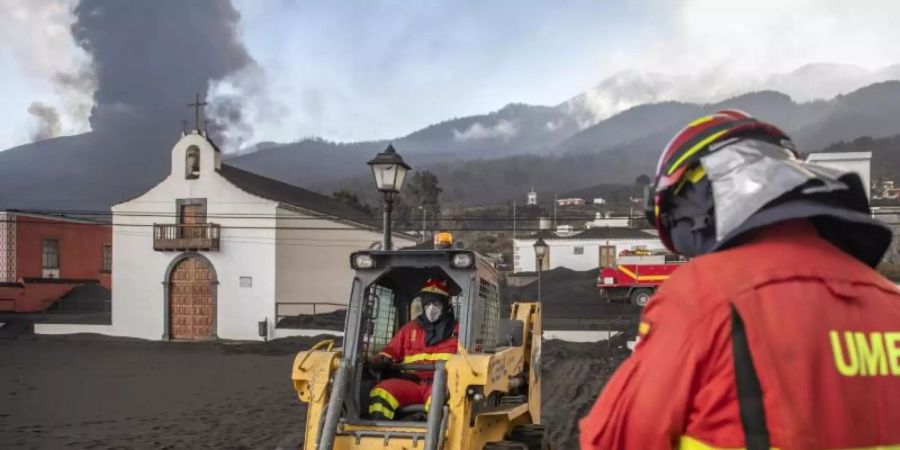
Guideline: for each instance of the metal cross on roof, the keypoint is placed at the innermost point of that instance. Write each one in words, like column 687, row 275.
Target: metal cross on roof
column 196, row 105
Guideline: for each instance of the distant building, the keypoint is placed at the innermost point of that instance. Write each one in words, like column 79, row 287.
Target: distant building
column 599, row 201
column 859, row 162
column 563, row 230
column 532, row 198
column 886, row 191
column 570, row 201
column 586, row 250
column 212, row 251
column 43, row 257
column 604, row 220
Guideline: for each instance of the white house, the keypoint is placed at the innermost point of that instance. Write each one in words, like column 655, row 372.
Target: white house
column 605, row 220
column 570, row 201
column 586, row 250
column 859, row 162
column 213, row 250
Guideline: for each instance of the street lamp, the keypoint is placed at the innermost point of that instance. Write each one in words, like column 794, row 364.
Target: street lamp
column 540, row 251
column 389, row 171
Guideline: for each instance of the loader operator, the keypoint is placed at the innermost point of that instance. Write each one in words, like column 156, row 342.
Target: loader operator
column 429, row 338
column 778, row 334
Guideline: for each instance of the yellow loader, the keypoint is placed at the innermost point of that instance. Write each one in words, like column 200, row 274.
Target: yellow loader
column 487, row 396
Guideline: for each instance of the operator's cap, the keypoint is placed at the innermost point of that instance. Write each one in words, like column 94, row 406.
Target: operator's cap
column 436, row 286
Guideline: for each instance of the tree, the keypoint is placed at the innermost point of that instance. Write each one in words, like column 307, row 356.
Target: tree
column 423, row 192
column 345, row 196
column 640, row 185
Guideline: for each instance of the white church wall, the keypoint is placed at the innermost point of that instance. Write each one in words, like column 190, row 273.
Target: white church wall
column 138, row 303
column 314, row 265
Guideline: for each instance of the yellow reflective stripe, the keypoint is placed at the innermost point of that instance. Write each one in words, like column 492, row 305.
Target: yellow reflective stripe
column 378, row 407
column 631, row 274
column 693, row 150
column 689, row 443
column 700, row 120
column 428, row 403
column 384, row 395
column 643, row 328
column 427, row 357
column 693, row 176
column 697, row 174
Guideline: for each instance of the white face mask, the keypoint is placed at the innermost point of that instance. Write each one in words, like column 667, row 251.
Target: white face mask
column 433, row 313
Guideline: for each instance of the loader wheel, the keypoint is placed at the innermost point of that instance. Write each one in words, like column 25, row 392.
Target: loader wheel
column 505, row 445
column 641, row 296
column 532, row 435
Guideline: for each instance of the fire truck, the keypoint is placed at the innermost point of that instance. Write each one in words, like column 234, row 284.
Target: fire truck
column 636, row 274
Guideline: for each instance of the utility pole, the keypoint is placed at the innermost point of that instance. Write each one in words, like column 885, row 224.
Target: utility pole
column 555, row 202
column 514, row 219
column 423, row 222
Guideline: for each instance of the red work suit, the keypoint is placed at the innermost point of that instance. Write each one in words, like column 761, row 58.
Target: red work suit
column 408, row 346
column 823, row 331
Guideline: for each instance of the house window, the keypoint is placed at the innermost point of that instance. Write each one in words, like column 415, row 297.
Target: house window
column 50, row 254
column 579, row 250
column 106, row 266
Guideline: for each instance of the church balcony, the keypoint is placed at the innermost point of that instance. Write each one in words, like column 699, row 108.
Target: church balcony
column 186, row 237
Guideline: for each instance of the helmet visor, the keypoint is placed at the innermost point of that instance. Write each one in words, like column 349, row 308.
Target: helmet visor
column 748, row 174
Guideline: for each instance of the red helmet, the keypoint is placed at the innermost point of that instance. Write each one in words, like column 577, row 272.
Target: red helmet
column 690, row 144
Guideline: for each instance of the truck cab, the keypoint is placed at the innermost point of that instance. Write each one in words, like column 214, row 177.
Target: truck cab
column 636, row 274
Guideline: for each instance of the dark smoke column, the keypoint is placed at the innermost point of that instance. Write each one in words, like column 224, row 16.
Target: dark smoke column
column 151, row 57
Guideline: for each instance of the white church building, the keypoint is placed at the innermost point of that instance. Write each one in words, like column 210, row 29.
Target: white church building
column 213, row 250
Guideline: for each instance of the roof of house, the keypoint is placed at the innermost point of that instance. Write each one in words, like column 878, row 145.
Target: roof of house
column 63, row 216
column 289, row 194
column 599, row 233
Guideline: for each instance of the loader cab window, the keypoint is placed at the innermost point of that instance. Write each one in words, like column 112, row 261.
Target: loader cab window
column 393, row 300
column 382, row 318
column 486, row 317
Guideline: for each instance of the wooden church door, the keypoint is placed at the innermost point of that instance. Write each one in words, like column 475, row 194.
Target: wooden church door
column 191, row 305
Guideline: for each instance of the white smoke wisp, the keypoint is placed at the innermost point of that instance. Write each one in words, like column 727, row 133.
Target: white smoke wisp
column 503, row 129
column 239, row 103
column 38, row 37
column 48, row 121
column 712, row 50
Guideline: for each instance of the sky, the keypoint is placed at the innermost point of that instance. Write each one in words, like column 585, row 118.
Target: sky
column 361, row 69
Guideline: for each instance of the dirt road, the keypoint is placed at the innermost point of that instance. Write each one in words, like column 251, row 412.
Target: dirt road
column 93, row 392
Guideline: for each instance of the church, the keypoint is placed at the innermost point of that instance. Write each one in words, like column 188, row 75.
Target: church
column 216, row 252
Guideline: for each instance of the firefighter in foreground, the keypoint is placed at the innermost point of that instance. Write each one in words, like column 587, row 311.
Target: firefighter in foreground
column 429, row 338
column 778, row 333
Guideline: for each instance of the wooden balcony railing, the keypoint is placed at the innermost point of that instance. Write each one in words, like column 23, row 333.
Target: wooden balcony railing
column 184, row 237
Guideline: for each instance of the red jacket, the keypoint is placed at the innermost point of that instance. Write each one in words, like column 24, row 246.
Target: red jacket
column 824, row 334
column 408, row 346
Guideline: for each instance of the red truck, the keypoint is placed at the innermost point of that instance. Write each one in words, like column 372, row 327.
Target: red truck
column 636, row 274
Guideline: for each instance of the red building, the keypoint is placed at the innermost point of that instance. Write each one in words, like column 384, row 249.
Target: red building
column 43, row 257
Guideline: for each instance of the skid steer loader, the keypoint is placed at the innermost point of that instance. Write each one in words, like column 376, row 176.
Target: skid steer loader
column 487, row 396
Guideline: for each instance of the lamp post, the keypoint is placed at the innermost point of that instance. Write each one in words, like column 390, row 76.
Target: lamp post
column 389, row 171
column 540, row 251
column 422, row 208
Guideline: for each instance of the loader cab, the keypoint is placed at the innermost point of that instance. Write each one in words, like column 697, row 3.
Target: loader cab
column 385, row 296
